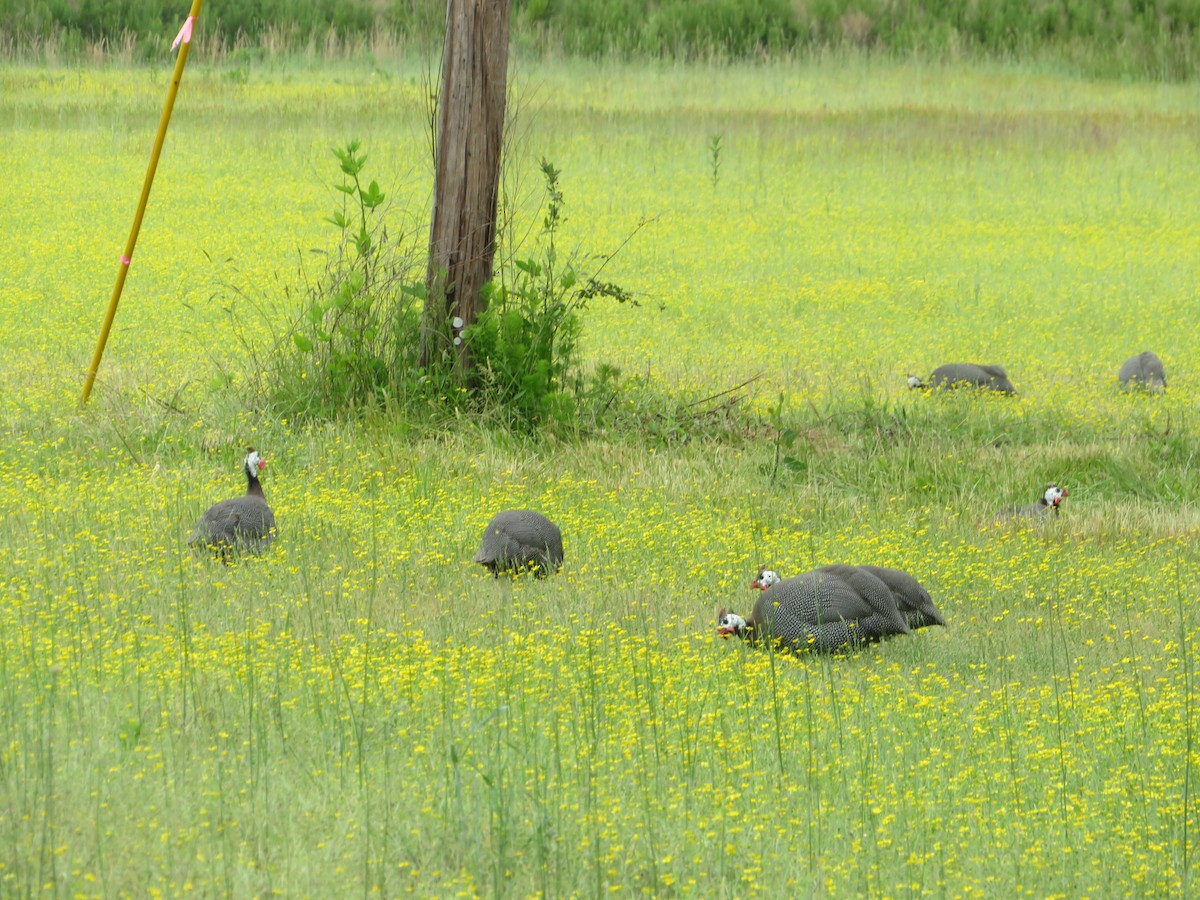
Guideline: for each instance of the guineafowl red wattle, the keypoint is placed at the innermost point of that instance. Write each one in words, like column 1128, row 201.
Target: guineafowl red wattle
column 1047, row 506
column 969, row 375
column 833, row 608
column 911, row 598
column 517, row 540
column 1143, row 371
column 242, row 524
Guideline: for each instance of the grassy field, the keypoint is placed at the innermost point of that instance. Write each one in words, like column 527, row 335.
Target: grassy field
column 364, row 711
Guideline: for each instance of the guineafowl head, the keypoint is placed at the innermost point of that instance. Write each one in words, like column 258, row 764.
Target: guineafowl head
column 766, row 577
column 914, row 382
column 1054, row 495
column 730, row 623
column 254, row 463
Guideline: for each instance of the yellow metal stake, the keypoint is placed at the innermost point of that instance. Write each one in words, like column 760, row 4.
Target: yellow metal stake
column 184, row 41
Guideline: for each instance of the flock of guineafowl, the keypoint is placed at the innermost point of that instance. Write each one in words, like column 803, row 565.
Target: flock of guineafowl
column 830, row 608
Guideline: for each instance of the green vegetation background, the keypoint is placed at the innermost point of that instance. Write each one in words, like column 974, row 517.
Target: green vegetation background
column 1146, row 38
column 364, row 711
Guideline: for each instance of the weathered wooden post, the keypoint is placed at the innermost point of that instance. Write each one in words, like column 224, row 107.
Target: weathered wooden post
column 470, row 131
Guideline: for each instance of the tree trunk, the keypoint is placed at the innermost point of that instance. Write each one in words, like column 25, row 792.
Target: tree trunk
column 470, row 131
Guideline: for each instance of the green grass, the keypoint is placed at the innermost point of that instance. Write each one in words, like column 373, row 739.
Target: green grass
column 364, row 711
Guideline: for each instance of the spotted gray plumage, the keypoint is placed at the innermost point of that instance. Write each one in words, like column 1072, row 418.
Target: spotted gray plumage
column 832, row 608
column 520, row 539
column 1143, row 371
column 909, row 595
column 243, row 524
column 913, row 601
column 971, row 375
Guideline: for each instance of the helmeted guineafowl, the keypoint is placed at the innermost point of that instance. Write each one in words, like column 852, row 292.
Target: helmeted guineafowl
column 828, row 609
column 520, row 539
column 1046, row 507
column 242, row 524
column 1143, row 371
column 971, row 375
column 910, row 596
column 912, row 599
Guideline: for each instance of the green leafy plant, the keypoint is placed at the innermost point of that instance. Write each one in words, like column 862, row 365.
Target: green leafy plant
column 355, row 344
column 356, row 339
column 783, row 444
column 714, row 159
column 524, row 342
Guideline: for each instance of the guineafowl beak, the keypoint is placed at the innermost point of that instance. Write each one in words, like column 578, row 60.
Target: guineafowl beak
column 724, row 629
column 758, row 579
column 729, row 623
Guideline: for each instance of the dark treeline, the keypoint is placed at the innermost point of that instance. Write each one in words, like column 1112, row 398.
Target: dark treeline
column 1143, row 38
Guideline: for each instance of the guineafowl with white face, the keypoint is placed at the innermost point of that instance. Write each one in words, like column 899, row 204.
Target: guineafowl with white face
column 1143, row 371
column 519, row 540
column 833, row 608
column 967, row 375
column 914, row 602
column 243, row 524
column 1047, row 507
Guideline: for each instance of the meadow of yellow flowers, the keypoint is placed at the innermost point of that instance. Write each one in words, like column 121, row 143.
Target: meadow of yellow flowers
column 363, row 711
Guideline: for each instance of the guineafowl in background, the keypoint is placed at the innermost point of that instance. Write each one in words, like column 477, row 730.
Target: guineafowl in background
column 1047, row 506
column 517, row 540
column 242, row 524
column 971, row 375
column 1143, row 371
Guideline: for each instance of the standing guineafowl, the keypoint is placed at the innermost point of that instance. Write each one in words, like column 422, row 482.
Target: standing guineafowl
column 241, row 525
column 1143, row 371
column 520, row 539
column 1047, row 506
column 909, row 595
column 835, row 608
column 969, row 375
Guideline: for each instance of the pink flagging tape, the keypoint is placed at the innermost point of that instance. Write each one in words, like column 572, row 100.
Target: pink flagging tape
column 185, row 33
column 125, row 260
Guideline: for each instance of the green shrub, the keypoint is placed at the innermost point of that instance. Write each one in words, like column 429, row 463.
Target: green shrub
column 735, row 28
column 355, row 342
column 523, row 342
